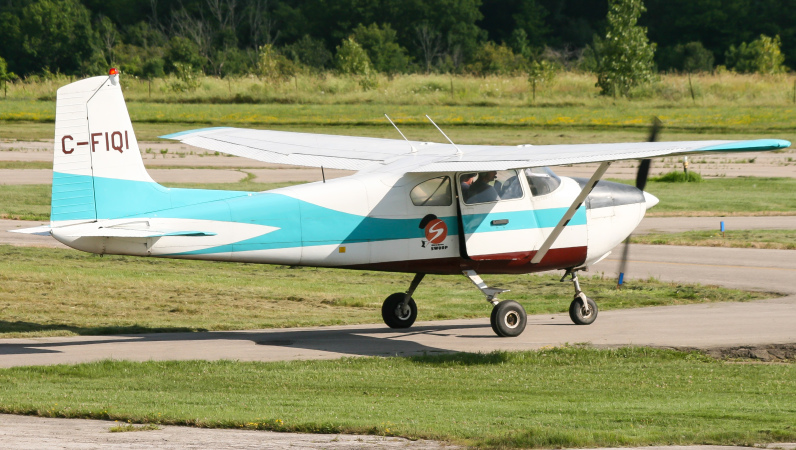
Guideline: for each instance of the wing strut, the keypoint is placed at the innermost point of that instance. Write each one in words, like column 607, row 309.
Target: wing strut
column 458, row 150
column 570, row 212
column 414, row 150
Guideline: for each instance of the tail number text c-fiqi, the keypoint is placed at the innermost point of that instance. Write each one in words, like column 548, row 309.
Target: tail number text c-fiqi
column 113, row 140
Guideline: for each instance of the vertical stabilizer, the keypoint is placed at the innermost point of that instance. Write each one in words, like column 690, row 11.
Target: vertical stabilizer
column 97, row 169
column 73, row 187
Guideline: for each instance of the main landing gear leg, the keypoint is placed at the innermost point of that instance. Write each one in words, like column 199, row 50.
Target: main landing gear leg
column 399, row 310
column 508, row 317
column 582, row 310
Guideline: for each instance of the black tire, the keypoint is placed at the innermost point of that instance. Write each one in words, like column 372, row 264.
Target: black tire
column 509, row 319
column 492, row 319
column 393, row 316
column 577, row 315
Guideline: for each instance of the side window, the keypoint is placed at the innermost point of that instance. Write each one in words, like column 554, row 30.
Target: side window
column 433, row 192
column 542, row 180
column 491, row 186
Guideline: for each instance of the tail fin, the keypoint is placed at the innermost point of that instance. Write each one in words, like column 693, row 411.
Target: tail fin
column 98, row 172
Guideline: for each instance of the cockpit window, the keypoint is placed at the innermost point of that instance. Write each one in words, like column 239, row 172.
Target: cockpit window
column 542, row 180
column 491, row 186
column 433, row 192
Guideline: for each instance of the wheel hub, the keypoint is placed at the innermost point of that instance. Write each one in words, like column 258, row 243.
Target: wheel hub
column 512, row 319
column 402, row 312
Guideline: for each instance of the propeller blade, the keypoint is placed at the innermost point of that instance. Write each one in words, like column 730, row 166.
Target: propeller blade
column 655, row 129
column 623, row 263
column 641, row 183
column 643, row 173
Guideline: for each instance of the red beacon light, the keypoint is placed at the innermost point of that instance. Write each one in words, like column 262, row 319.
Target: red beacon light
column 113, row 71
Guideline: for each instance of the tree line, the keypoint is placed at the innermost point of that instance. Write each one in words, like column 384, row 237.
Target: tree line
column 152, row 38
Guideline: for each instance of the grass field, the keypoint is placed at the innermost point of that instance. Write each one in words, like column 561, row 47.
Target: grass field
column 770, row 239
column 556, row 398
column 568, row 88
column 48, row 292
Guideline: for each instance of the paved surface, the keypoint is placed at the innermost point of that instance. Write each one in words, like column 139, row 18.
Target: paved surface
column 25, row 433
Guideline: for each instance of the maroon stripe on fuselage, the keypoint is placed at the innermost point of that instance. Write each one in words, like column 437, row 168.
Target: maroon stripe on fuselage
column 511, row 263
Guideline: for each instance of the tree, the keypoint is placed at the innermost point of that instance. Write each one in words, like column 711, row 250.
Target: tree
column 762, row 55
column 496, row 59
column 379, row 43
column 310, row 52
column 5, row 76
column 272, row 65
column 57, row 34
column 691, row 57
column 540, row 72
column 351, row 59
column 430, row 42
column 624, row 55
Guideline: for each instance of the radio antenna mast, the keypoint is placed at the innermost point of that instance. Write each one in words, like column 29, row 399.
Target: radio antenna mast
column 458, row 150
column 414, row 150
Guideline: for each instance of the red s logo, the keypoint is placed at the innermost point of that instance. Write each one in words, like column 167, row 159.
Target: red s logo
column 436, row 231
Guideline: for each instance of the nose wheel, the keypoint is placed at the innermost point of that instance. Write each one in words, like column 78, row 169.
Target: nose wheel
column 582, row 310
column 583, row 313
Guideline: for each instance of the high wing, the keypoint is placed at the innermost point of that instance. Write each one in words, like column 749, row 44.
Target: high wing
column 399, row 156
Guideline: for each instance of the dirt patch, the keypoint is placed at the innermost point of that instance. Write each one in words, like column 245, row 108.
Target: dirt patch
column 763, row 353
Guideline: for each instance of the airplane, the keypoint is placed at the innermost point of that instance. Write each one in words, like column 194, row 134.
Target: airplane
column 422, row 208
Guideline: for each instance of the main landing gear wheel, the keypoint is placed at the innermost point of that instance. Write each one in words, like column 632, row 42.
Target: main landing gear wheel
column 582, row 314
column 397, row 313
column 508, row 319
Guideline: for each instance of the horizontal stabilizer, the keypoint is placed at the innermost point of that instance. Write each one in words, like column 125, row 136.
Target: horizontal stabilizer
column 133, row 233
column 43, row 230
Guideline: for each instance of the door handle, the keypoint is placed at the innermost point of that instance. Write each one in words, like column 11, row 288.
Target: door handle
column 500, row 222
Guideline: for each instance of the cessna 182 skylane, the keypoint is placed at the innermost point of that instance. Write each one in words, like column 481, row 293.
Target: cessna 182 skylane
column 413, row 207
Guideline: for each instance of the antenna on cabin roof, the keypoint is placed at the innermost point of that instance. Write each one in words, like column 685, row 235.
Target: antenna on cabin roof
column 458, row 150
column 414, row 150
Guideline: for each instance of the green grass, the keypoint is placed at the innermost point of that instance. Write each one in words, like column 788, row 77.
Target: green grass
column 725, row 196
column 47, row 292
column 131, row 427
column 25, row 201
column 555, row 398
column 26, row 165
column 678, row 176
column 632, row 116
column 770, row 239
column 568, row 88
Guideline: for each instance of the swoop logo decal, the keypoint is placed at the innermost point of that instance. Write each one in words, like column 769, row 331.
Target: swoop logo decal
column 436, row 231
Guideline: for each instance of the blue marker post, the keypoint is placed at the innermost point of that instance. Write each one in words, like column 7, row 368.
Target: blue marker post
column 722, row 228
